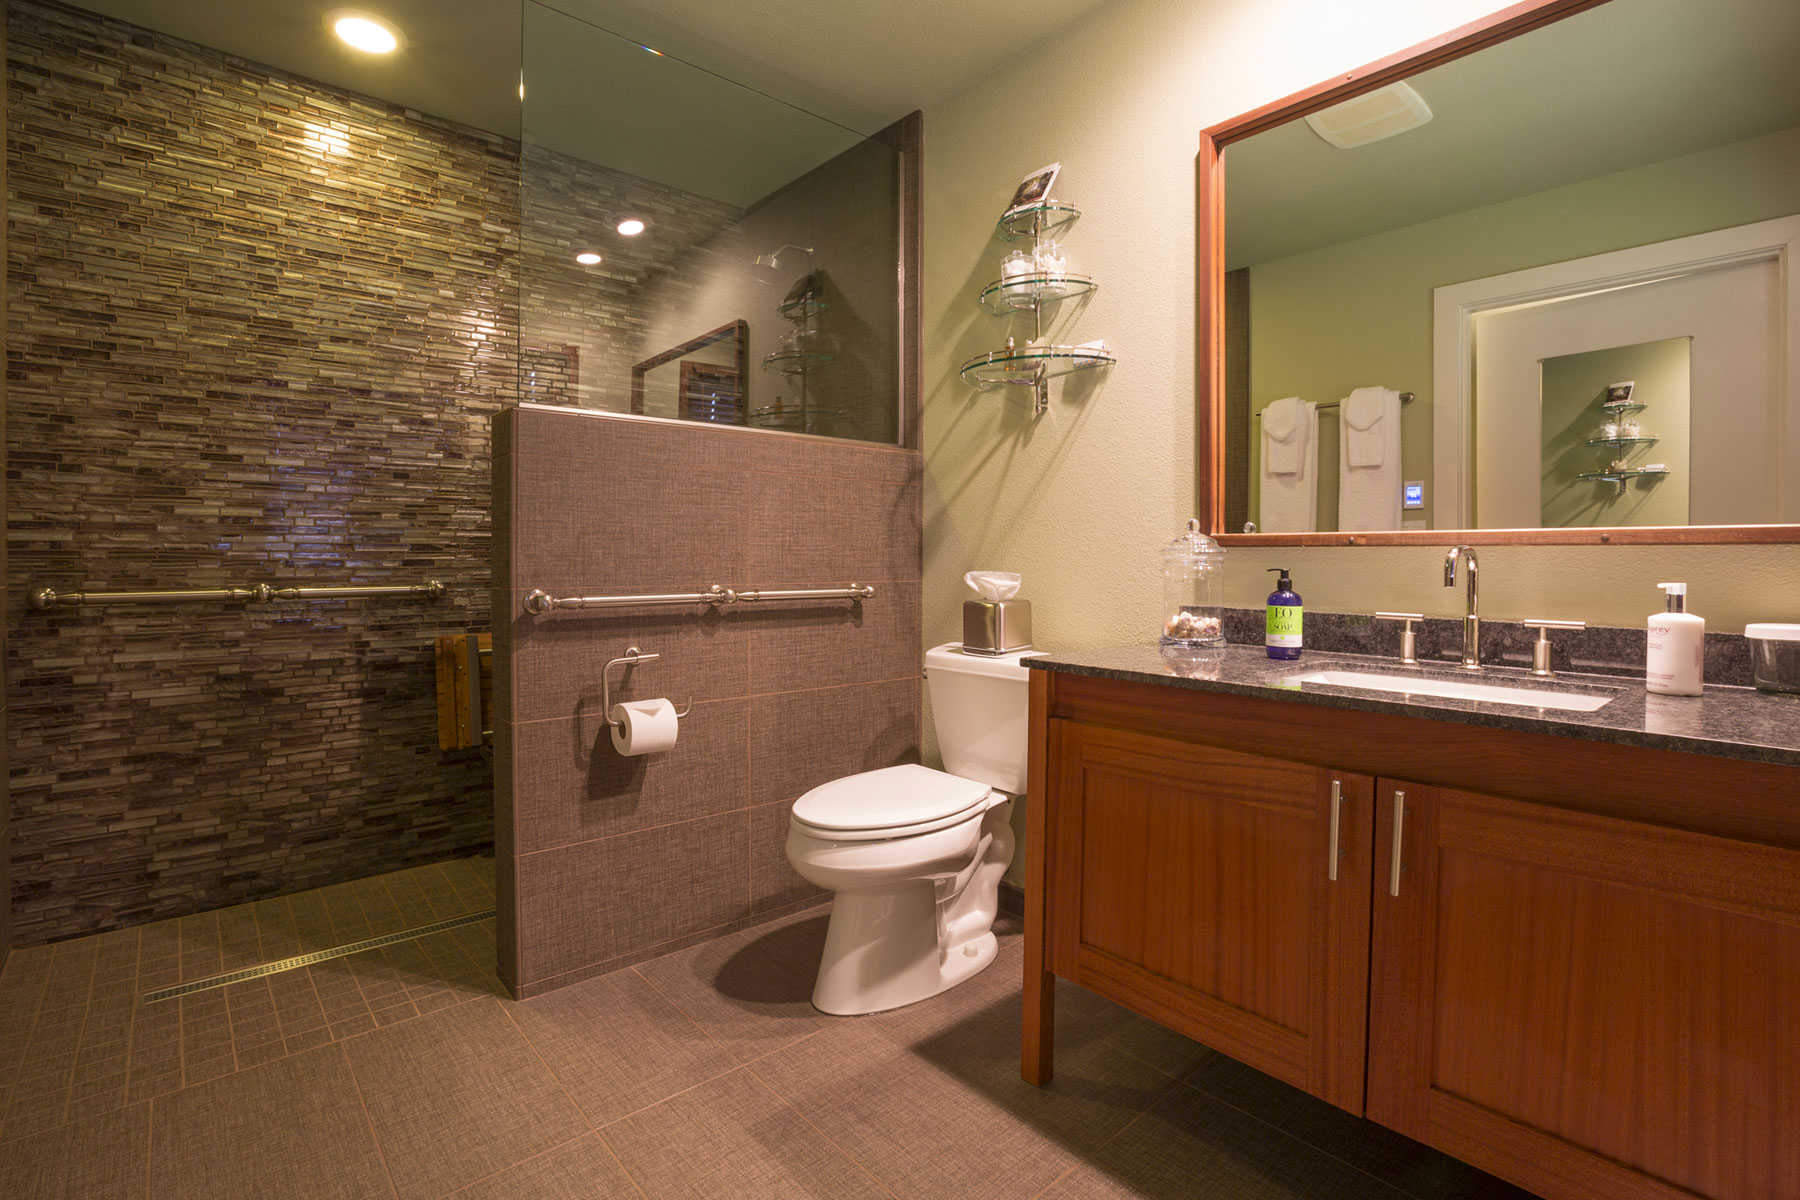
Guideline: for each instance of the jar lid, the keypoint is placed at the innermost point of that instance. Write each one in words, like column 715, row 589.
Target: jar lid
column 1770, row 631
column 1192, row 543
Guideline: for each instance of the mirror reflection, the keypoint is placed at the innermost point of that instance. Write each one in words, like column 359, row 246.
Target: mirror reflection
column 1430, row 287
column 721, row 256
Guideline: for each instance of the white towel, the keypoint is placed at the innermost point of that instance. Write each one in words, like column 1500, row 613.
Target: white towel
column 1369, row 474
column 1290, row 498
column 1364, row 427
column 1284, row 435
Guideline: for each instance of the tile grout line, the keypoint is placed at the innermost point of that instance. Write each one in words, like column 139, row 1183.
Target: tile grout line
column 137, row 1008
column 548, row 1070
column 1088, row 1159
column 749, row 791
column 768, row 918
column 733, row 1069
column 451, row 1195
column 749, row 696
column 1051, row 1186
column 87, row 1005
column 580, row 1111
column 642, row 829
column 369, row 1119
column 685, row 1014
column 623, row 1169
column 37, row 1012
column 1290, row 1136
column 829, row 1140
column 149, row 1146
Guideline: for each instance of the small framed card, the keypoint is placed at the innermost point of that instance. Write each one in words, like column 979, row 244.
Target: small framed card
column 1035, row 187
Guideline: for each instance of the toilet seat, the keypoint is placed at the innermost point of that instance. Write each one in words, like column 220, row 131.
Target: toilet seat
column 891, row 802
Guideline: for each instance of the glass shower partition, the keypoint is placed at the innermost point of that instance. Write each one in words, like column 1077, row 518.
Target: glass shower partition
column 692, row 249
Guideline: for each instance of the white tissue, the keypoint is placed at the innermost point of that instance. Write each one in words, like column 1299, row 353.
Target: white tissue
column 993, row 585
column 644, row 727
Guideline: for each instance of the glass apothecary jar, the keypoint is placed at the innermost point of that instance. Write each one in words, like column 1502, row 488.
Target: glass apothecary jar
column 1193, row 569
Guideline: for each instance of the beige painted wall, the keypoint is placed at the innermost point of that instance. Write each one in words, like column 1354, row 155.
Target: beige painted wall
column 1080, row 500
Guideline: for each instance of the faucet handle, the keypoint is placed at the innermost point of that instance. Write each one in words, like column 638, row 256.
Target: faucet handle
column 1409, row 642
column 1540, row 649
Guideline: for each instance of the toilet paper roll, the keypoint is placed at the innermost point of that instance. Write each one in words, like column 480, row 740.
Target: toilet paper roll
column 644, row 727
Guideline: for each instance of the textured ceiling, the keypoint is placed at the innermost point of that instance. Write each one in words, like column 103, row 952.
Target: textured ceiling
column 1628, row 83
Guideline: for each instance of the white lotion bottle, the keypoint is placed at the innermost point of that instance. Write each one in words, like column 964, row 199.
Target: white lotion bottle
column 1676, row 646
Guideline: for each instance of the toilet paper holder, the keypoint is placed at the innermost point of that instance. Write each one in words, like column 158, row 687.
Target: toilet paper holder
column 631, row 657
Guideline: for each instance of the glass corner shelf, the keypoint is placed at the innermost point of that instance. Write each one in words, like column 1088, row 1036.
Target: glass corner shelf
column 1029, row 291
column 799, row 310
column 1035, row 220
column 1623, row 407
column 1032, row 364
column 1622, row 441
column 793, row 363
column 797, row 419
column 1621, row 475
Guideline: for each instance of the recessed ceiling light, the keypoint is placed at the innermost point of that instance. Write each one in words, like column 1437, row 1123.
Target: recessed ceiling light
column 631, row 227
column 364, row 31
column 588, row 258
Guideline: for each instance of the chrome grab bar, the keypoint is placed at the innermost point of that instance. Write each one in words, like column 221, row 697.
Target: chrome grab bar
column 856, row 591
column 262, row 593
column 539, row 602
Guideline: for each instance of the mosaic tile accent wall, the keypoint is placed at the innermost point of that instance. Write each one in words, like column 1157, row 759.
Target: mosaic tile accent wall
column 600, row 860
column 258, row 330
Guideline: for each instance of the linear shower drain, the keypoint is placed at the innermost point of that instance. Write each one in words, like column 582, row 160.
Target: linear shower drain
column 316, row 956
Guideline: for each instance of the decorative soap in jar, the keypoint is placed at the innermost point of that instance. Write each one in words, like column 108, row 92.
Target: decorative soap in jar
column 1193, row 568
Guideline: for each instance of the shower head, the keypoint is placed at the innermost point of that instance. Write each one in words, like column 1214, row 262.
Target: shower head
column 768, row 266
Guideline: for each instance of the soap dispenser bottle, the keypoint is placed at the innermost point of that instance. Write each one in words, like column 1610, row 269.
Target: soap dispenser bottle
column 1281, row 628
column 1675, row 648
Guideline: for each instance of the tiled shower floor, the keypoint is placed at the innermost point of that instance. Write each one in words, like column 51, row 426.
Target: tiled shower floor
column 401, row 1073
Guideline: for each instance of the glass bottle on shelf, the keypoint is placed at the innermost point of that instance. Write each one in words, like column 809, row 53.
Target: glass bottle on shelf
column 1193, row 570
column 1016, row 267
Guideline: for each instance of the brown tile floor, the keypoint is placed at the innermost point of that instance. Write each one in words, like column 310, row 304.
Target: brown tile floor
column 703, row 1074
column 76, row 1042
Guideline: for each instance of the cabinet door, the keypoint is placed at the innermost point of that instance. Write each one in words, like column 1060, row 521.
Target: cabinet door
column 1588, row 1006
column 1197, row 885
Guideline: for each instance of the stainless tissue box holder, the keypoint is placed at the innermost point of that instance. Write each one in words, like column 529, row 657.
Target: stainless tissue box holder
column 996, row 627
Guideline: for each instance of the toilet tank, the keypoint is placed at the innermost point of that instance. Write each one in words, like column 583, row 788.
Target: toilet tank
column 979, row 706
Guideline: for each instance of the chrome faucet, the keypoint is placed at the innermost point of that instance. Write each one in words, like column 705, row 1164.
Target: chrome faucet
column 1471, row 656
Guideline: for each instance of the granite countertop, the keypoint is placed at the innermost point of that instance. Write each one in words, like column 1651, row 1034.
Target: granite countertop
column 1729, row 722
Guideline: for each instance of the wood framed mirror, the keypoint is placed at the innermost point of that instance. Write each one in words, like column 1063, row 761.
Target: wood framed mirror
column 1580, row 115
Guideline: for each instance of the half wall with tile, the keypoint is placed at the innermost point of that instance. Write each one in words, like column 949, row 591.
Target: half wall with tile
column 602, row 860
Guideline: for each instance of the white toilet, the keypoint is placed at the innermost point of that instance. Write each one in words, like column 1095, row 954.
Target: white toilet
column 916, row 855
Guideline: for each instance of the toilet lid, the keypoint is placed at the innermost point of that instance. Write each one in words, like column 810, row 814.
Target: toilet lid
column 889, row 799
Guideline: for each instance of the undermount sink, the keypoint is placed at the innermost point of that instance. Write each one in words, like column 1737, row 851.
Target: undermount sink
column 1527, row 696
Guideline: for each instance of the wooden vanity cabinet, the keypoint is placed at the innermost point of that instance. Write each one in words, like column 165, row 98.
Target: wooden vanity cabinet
column 1196, row 884
column 1583, row 976
column 1589, row 1006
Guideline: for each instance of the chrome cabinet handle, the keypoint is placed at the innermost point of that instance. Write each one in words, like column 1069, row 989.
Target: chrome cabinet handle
column 1399, row 824
column 1337, row 806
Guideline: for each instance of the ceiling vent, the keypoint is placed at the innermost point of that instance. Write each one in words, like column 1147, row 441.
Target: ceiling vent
column 1370, row 117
